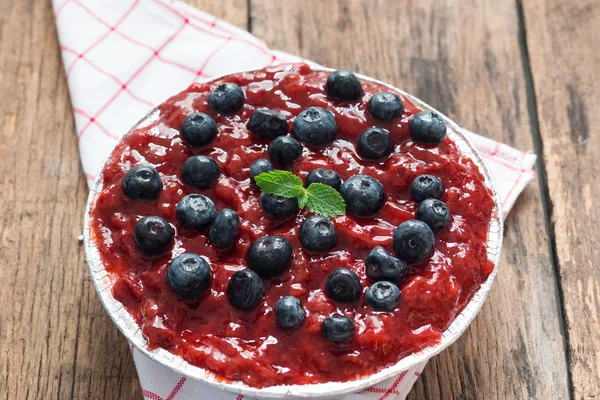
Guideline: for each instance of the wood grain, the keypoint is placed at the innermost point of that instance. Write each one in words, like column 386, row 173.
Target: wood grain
column 233, row 11
column 56, row 340
column 53, row 331
column 473, row 60
column 467, row 64
column 563, row 43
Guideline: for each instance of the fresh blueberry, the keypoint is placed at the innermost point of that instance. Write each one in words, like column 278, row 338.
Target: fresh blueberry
column 375, row 143
column 290, row 314
column 324, row 176
column 195, row 211
column 227, row 98
column 434, row 213
column 198, row 129
column 343, row 85
column 200, row 171
column 153, row 235
column 364, row 195
column 343, row 285
column 383, row 296
column 224, row 229
column 270, row 256
column 189, row 275
column 258, row 167
column 284, row 150
column 337, row 328
column 245, row 289
column 267, row 124
column 426, row 187
column 279, row 207
column 317, row 233
column 385, row 106
column 413, row 241
column 142, row 183
column 427, row 127
column 315, row 126
column 382, row 266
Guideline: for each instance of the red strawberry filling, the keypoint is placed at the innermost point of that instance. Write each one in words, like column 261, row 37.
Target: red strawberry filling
column 249, row 345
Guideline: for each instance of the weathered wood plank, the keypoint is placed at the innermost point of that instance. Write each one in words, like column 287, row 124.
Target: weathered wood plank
column 56, row 340
column 48, row 321
column 563, row 41
column 232, row 11
column 466, row 61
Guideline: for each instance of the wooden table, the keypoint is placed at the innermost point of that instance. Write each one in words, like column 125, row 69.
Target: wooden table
column 519, row 71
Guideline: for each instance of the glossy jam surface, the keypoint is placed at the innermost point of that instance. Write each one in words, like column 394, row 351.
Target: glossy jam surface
column 248, row 345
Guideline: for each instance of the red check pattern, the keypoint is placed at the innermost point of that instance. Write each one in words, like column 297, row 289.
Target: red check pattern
column 174, row 387
column 121, row 57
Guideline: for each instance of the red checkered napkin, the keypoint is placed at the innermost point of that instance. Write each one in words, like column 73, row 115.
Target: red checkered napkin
column 123, row 56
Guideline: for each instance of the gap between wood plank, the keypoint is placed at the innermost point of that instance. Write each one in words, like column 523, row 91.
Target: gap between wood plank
column 249, row 11
column 543, row 182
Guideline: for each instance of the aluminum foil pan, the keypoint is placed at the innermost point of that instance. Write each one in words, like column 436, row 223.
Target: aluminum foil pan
column 126, row 324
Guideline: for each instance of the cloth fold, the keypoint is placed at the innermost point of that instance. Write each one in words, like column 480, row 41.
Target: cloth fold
column 121, row 57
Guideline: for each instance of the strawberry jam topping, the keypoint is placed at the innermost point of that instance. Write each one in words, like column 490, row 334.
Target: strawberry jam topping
column 249, row 345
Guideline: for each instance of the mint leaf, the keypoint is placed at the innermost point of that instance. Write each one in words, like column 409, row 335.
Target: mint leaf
column 319, row 198
column 280, row 183
column 324, row 200
column 302, row 198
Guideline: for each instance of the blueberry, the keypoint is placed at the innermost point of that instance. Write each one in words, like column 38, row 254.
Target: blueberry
column 195, row 211
column 413, row 241
column 290, row 314
column 224, row 229
column 153, row 235
column 337, row 328
column 382, row 266
column 385, row 106
column 245, row 289
column 279, row 207
column 198, row 129
column 270, row 256
column 383, row 296
column 343, row 85
column 189, row 275
column 343, row 286
column 227, row 98
column 265, row 123
column 375, row 143
column 426, row 187
column 364, row 195
column 200, row 171
column 142, row 183
column 427, row 127
column 258, row 167
column 324, row 176
column 434, row 213
column 317, row 233
column 284, row 150
column 315, row 126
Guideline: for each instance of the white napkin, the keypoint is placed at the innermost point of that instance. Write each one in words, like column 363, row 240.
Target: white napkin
column 124, row 56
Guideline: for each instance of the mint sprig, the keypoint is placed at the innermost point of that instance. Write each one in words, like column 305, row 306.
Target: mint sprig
column 319, row 198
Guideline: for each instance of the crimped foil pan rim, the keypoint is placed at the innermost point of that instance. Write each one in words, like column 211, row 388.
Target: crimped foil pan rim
column 128, row 327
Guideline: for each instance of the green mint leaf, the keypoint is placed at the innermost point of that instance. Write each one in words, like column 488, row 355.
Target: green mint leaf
column 302, row 198
column 280, row 183
column 319, row 198
column 324, row 200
